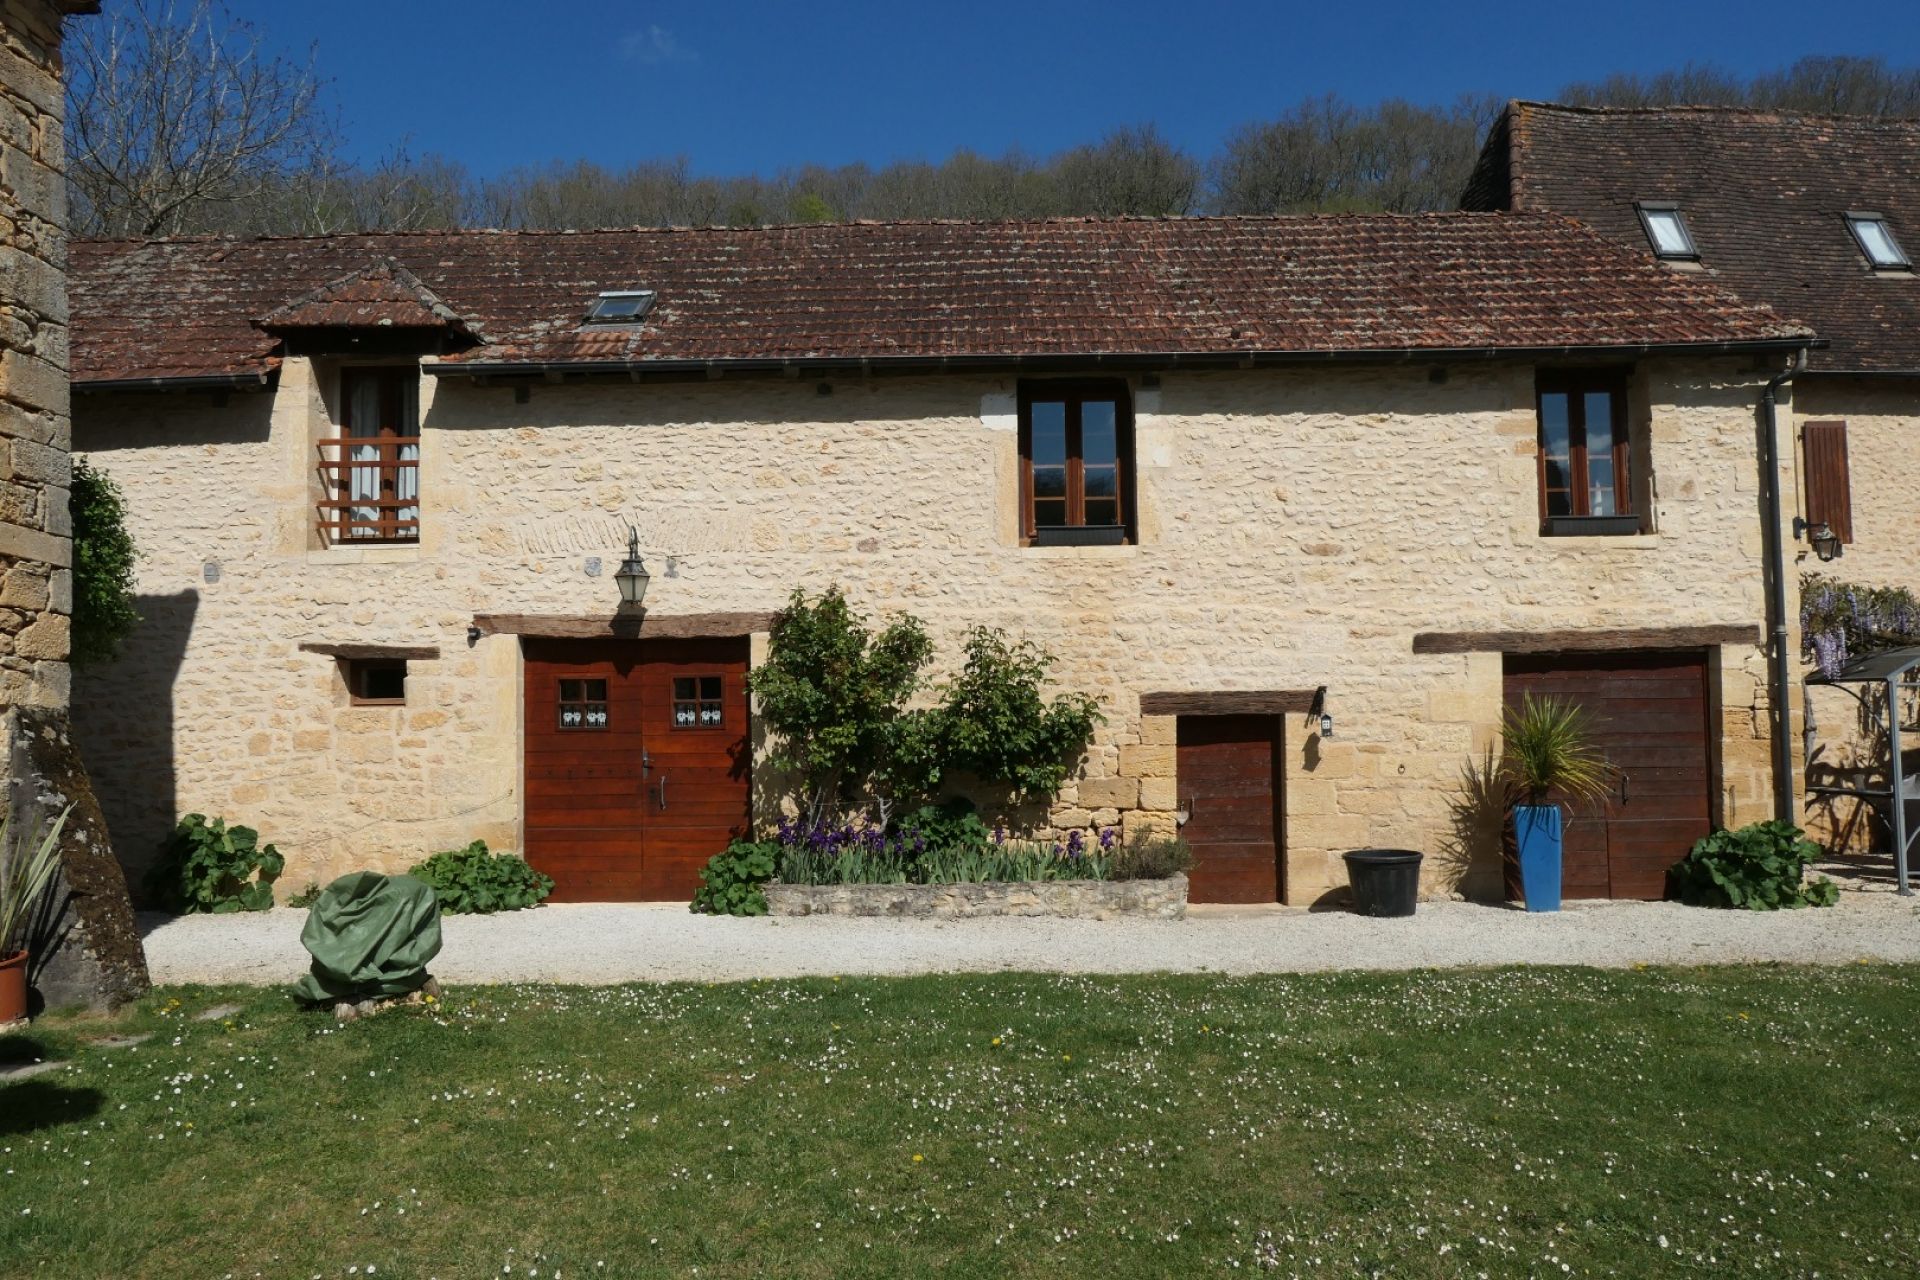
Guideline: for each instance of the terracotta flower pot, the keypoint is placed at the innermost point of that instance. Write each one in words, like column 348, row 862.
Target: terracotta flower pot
column 13, row 988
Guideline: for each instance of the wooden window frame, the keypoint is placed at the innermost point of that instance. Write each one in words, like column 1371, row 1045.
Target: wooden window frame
column 699, row 702
column 561, row 702
column 355, row 670
column 1076, row 532
column 1576, row 385
column 337, row 523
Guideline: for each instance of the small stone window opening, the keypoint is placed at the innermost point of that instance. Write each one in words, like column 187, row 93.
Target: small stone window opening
column 583, row 704
column 697, row 702
column 376, row 682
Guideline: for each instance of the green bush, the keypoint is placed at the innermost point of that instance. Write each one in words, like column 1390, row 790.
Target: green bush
column 471, row 881
column 103, row 557
column 306, row 897
column 1761, row 867
column 952, row 825
column 1152, row 857
column 733, row 881
column 205, row 865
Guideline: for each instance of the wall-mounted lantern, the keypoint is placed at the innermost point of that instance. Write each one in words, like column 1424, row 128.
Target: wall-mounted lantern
column 632, row 576
column 1318, row 708
column 1819, row 535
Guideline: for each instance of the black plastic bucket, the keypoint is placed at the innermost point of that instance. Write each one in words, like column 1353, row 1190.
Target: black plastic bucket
column 1386, row 882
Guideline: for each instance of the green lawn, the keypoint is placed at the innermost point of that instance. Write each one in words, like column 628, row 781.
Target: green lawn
column 1505, row 1123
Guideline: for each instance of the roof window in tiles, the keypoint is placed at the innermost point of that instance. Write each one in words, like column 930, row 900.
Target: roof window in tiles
column 1667, row 230
column 624, row 306
column 1877, row 242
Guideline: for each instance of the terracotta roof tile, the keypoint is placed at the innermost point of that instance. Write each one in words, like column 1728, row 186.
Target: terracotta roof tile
column 383, row 295
column 1123, row 287
column 1764, row 193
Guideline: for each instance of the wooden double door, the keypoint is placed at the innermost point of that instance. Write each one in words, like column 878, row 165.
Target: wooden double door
column 636, row 763
column 1650, row 721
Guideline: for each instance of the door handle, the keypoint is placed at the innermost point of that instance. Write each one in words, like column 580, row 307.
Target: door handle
column 663, row 792
column 1623, row 786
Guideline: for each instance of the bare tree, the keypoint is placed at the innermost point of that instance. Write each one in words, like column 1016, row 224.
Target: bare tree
column 176, row 109
column 1130, row 171
column 1828, row 85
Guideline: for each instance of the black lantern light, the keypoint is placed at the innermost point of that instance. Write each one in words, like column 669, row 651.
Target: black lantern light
column 632, row 576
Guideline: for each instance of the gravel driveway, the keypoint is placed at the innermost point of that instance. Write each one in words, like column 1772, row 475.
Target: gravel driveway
column 602, row 943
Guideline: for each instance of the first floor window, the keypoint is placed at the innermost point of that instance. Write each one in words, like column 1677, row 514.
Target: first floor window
column 1584, row 452
column 375, row 471
column 1076, row 462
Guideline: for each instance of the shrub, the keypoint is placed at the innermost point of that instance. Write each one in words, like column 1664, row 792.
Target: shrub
column 103, row 556
column 1843, row 620
column 1761, row 867
column 306, row 897
column 835, row 695
column 1149, row 856
column 471, row 881
column 992, row 722
column 205, row 865
column 27, row 870
column 1547, row 745
column 732, row 882
column 952, row 825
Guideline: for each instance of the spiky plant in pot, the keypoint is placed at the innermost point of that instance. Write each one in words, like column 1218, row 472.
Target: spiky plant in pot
column 27, row 869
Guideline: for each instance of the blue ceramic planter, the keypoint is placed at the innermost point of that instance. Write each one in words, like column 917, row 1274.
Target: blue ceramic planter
column 1536, row 829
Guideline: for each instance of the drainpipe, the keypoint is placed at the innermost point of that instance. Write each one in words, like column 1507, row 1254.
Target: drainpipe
column 1779, row 674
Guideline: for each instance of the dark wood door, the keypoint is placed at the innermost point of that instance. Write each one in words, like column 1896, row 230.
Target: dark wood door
column 1650, row 721
column 1228, row 769
column 636, row 763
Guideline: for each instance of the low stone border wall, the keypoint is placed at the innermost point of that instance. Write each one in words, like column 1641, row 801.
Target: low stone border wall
column 1089, row 899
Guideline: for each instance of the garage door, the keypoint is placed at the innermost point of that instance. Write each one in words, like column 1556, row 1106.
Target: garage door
column 1227, row 767
column 1650, row 720
column 636, row 763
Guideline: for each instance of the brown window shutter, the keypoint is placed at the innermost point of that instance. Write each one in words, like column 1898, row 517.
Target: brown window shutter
column 1829, row 491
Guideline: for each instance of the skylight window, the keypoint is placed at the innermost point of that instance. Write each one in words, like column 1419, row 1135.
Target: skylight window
column 624, row 306
column 1667, row 230
column 1877, row 242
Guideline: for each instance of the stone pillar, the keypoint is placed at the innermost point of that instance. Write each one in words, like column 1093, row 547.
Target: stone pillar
column 85, row 947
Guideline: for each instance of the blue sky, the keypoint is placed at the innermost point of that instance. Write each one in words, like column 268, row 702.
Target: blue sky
column 758, row 85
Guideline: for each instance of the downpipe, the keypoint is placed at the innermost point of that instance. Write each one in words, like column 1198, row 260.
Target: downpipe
column 1780, row 674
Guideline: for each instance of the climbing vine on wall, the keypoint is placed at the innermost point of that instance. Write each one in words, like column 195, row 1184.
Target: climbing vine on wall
column 1840, row 621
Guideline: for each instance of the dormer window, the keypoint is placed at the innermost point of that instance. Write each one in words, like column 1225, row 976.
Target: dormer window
column 1667, row 231
column 1876, row 240
column 623, row 306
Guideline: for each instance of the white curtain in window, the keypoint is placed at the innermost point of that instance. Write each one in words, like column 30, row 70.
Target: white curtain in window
column 407, row 482
column 364, row 482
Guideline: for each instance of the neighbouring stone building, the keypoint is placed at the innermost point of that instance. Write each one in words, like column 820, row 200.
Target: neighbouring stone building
column 1819, row 217
column 1238, row 474
column 83, row 945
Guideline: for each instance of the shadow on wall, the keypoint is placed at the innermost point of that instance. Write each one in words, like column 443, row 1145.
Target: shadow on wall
column 1471, row 858
column 123, row 719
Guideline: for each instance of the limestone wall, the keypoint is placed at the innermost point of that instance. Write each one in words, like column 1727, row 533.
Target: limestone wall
column 1883, row 448
column 1297, row 529
column 36, row 556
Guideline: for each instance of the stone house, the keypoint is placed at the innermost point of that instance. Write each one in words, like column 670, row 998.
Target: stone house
column 1818, row 217
column 1304, row 501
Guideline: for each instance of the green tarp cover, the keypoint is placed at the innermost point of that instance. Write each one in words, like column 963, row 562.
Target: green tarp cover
column 370, row 936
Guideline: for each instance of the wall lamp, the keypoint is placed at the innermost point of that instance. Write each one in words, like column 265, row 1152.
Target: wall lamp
column 632, row 576
column 1819, row 535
